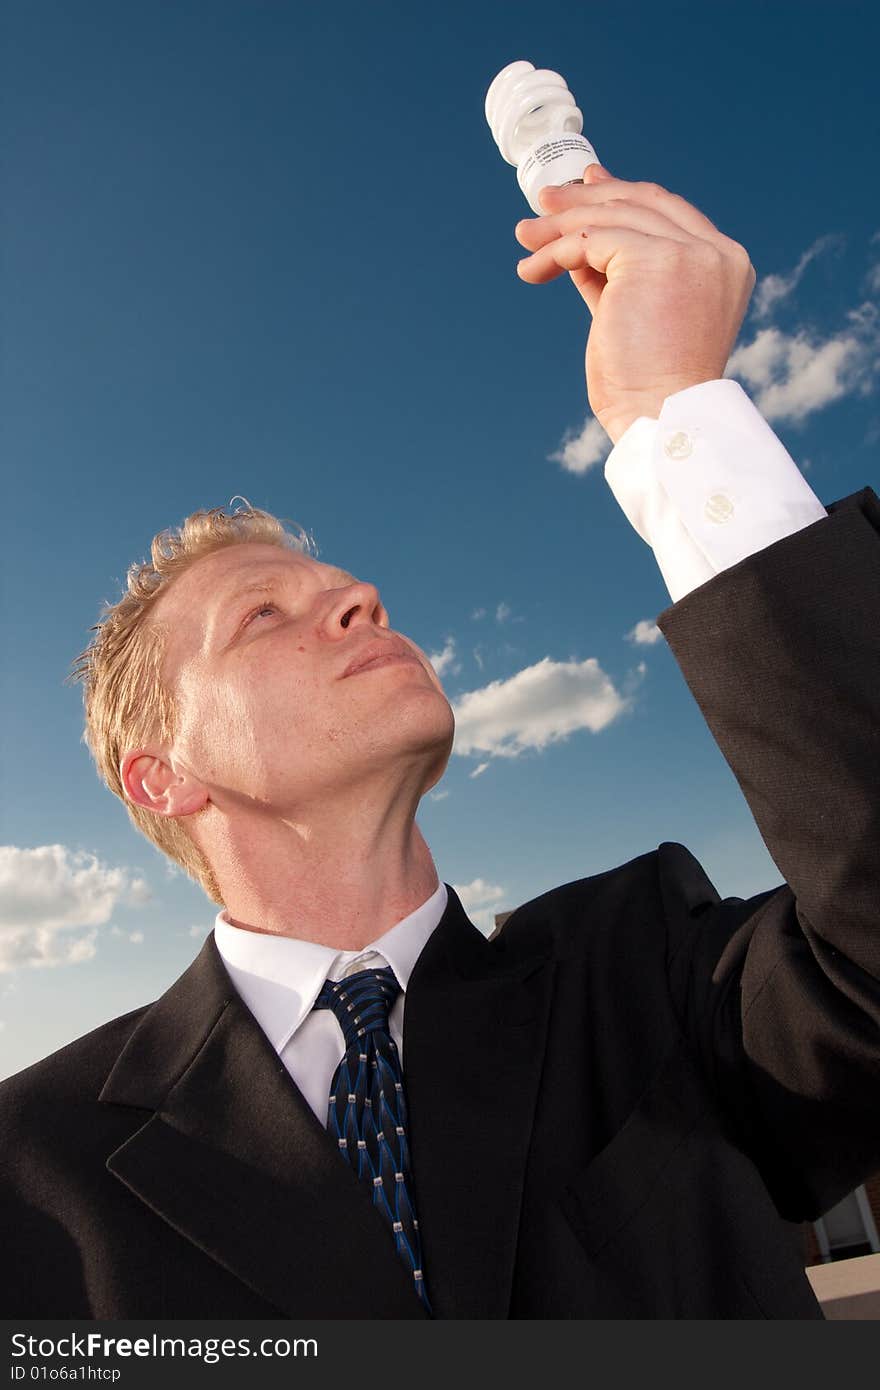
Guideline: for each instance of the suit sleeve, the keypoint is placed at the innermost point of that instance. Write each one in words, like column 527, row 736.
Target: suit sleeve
column 780, row 993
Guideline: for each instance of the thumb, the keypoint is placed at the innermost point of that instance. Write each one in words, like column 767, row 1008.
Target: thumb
column 589, row 284
column 596, row 172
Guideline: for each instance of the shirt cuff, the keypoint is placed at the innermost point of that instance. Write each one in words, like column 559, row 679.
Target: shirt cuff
column 708, row 484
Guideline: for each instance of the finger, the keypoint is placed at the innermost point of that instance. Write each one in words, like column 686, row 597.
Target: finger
column 589, row 284
column 533, row 233
column 594, row 248
column 652, row 195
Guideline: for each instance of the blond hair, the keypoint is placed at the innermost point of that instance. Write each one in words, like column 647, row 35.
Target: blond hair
column 127, row 702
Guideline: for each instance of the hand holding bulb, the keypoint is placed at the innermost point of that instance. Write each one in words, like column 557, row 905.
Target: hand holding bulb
column 666, row 289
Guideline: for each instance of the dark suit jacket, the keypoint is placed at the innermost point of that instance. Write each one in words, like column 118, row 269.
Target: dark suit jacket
column 618, row 1107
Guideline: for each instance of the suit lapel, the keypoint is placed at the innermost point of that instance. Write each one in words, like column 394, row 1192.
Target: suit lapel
column 233, row 1158
column 475, row 1022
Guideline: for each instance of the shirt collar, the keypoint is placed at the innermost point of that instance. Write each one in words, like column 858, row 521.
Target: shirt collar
column 279, row 977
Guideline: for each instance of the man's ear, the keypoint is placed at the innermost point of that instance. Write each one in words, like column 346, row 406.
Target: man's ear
column 150, row 781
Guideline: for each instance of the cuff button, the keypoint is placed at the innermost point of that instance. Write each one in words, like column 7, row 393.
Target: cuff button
column 718, row 509
column 679, row 445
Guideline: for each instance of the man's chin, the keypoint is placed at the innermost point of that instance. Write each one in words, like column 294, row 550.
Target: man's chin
column 439, row 763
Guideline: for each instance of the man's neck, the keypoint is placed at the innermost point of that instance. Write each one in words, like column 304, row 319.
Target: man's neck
column 336, row 885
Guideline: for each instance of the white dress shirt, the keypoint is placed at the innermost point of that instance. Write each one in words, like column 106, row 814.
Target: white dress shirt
column 279, row 979
column 705, row 485
column 708, row 483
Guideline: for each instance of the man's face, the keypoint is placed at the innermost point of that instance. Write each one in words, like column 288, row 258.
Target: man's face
column 260, row 642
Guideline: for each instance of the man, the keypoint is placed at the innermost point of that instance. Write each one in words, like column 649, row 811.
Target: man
column 354, row 1105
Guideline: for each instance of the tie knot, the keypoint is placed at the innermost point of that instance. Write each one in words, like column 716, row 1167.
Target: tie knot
column 361, row 1002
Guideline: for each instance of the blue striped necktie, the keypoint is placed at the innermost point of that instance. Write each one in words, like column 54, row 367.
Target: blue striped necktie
column 367, row 1114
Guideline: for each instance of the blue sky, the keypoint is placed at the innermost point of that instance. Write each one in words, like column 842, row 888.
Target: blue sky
column 267, row 249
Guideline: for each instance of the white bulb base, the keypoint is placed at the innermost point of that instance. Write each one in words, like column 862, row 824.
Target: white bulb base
column 561, row 159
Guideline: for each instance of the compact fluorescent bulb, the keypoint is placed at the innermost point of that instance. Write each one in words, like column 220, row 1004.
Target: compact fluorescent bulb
column 537, row 127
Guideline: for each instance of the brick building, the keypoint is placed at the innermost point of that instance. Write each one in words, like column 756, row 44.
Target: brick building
column 848, row 1230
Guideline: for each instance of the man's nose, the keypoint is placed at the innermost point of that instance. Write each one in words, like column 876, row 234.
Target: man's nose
column 358, row 603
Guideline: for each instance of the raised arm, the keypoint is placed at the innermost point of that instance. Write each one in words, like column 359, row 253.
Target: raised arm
column 775, row 626
column 781, row 993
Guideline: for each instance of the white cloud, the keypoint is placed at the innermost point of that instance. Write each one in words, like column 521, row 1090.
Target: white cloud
column 582, row 449
column 871, row 280
column 502, row 612
column 771, row 289
column 645, row 633
column 789, row 376
column 477, row 614
column 53, row 899
column 200, row 928
column 480, row 901
column 438, row 796
column 136, row 937
column 445, row 661
column 479, row 770
column 541, row 704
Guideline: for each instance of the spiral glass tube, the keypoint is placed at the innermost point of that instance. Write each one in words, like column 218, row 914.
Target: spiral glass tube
column 537, row 126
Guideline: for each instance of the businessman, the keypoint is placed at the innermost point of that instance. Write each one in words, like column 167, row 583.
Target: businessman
column 352, row 1104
